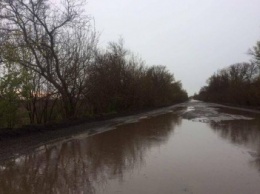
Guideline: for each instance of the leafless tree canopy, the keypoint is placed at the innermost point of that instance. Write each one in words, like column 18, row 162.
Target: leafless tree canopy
column 52, row 48
column 56, row 42
column 237, row 84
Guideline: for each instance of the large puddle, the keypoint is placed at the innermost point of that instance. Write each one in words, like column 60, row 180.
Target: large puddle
column 162, row 154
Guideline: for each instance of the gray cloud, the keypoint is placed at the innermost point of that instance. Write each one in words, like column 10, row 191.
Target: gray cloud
column 192, row 38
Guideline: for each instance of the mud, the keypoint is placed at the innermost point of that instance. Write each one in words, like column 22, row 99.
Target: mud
column 204, row 112
column 193, row 147
column 17, row 142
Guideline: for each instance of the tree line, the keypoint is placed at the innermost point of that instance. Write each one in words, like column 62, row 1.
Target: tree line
column 237, row 84
column 53, row 69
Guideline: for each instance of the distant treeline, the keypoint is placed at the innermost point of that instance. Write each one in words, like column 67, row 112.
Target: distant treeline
column 52, row 68
column 237, row 84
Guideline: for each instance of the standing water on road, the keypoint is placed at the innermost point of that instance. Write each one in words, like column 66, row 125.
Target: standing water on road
column 197, row 148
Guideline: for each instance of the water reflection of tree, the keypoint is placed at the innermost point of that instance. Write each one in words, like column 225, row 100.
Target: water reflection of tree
column 79, row 166
column 242, row 132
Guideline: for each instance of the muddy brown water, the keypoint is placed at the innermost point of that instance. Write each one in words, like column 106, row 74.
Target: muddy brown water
column 160, row 154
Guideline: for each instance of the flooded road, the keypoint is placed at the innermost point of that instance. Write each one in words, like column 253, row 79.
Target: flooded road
column 195, row 148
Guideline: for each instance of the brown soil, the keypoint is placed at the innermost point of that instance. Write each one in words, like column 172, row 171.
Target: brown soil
column 14, row 142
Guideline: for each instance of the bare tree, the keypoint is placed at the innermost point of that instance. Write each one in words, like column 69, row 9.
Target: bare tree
column 57, row 42
column 255, row 52
column 237, row 84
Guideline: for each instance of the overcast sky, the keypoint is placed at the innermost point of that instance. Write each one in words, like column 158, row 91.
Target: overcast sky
column 192, row 38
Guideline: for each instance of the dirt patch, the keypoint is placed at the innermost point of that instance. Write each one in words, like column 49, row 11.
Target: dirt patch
column 203, row 112
column 16, row 142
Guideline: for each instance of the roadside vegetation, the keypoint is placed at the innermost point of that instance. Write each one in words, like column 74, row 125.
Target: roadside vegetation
column 52, row 68
column 238, row 84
